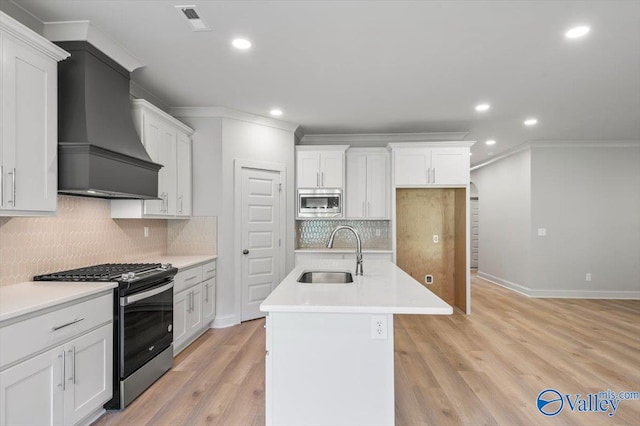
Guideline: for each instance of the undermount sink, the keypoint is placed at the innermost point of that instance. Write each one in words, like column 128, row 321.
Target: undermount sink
column 325, row 277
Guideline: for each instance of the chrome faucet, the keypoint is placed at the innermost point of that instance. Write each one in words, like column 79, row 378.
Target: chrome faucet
column 358, row 245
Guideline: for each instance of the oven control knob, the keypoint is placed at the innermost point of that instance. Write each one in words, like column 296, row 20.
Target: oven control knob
column 169, row 328
column 165, row 266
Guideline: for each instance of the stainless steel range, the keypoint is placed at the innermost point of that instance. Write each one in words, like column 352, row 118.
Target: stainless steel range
column 143, row 322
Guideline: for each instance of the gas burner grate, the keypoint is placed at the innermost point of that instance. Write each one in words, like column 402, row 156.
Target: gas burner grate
column 104, row 272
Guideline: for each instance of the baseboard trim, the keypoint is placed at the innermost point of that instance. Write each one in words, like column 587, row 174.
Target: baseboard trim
column 224, row 321
column 559, row 294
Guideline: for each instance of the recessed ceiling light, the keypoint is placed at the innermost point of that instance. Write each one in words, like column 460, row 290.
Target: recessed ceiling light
column 241, row 43
column 530, row 122
column 577, row 32
column 491, row 142
column 482, row 107
column 276, row 112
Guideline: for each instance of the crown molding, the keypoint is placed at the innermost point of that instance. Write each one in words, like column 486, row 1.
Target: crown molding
column 223, row 112
column 381, row 138
column 556, row 144
column 86, row 31
column 31, row 38
column 148, row 106
column 440, row 144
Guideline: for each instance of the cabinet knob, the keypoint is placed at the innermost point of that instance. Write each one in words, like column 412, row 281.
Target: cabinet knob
column 245, row 251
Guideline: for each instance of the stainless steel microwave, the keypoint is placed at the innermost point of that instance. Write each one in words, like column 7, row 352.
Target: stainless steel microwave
column 319, row 203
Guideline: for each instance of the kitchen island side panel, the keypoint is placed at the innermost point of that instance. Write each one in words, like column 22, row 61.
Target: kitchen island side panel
column 326, row 369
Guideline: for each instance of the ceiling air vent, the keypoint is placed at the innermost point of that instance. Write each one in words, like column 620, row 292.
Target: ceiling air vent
column 193, row 18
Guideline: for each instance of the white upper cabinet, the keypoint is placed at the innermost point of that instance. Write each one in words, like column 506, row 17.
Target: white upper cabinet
column 368, row 183
column 28, row 121
column 183, row 201
column 168, row 143
column 431, row 164
column 320, row 166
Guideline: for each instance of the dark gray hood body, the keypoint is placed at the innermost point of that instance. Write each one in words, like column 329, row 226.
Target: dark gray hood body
column 99, row 151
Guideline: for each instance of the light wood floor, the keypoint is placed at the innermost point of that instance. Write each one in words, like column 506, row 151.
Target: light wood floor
column 486, row 368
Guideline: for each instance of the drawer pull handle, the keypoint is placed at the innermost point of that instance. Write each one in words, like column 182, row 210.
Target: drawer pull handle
column 56, row 328
column 210, row 271
column 191, row 278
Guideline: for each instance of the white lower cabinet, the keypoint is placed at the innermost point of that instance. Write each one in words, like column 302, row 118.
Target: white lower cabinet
column 194, row 304
column 66, row 384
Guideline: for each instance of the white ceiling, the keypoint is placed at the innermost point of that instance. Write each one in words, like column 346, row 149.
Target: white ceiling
column 386, row 67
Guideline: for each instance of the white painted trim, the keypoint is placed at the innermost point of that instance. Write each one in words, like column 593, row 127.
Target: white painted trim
column 558, row 144
column 560, row 294
column 434, row 144
column 149, row 107
column 223, row 112
column 355, row 138
column 321, row 148
column 31, row 38
column 92, row 417
column 86, row 31
column 224, row 321
column 238, row 165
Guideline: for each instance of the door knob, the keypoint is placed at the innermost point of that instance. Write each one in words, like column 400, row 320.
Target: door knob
column 245, row 251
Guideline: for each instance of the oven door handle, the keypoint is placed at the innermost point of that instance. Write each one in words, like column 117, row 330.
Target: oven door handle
column 124, row 301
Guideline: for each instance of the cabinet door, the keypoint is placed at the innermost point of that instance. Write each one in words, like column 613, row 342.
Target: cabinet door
column 307, row 169
column 377, row 186
column 410, row 166
column 180, row 318
column 88, row 373
column 356, row 194
column 151, row 136
column 167, row 181
column 31, row 393
column 450, row 166
column 332, row 169
column 209, row 300
column 29, row 129
column 183, row 171
column 195, row 317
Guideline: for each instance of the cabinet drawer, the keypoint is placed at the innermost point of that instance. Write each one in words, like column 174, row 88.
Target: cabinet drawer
column 35, row 334
column 208, row 270
column 186, row 278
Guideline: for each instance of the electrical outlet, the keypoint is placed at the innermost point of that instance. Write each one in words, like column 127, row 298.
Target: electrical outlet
column 436, row 239
column 428, row 279
column 146, row 232
column 587, row 276
column 379, row 327
column 542, row 232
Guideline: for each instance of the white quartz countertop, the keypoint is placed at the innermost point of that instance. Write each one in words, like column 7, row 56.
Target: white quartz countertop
column 182, row 262
column 27, row 297
column 340, row 250
column 384, row 288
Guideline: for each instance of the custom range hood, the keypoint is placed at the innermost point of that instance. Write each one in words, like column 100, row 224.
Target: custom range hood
column 99, row 151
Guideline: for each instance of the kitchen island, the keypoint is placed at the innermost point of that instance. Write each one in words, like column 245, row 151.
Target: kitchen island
column 330, row 346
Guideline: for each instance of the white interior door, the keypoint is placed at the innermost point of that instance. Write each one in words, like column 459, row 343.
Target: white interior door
column 260, row 238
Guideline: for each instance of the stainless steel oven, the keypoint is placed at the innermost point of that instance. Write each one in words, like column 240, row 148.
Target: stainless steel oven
column 319, row 203
column 146, row 331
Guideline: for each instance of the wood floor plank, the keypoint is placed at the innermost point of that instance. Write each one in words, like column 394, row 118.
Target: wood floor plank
column 485, row 368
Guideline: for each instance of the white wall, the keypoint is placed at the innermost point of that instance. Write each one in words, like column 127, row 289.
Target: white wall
column 588, row 199
column 586, row 195
column 217, row 144
column 504, row 193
